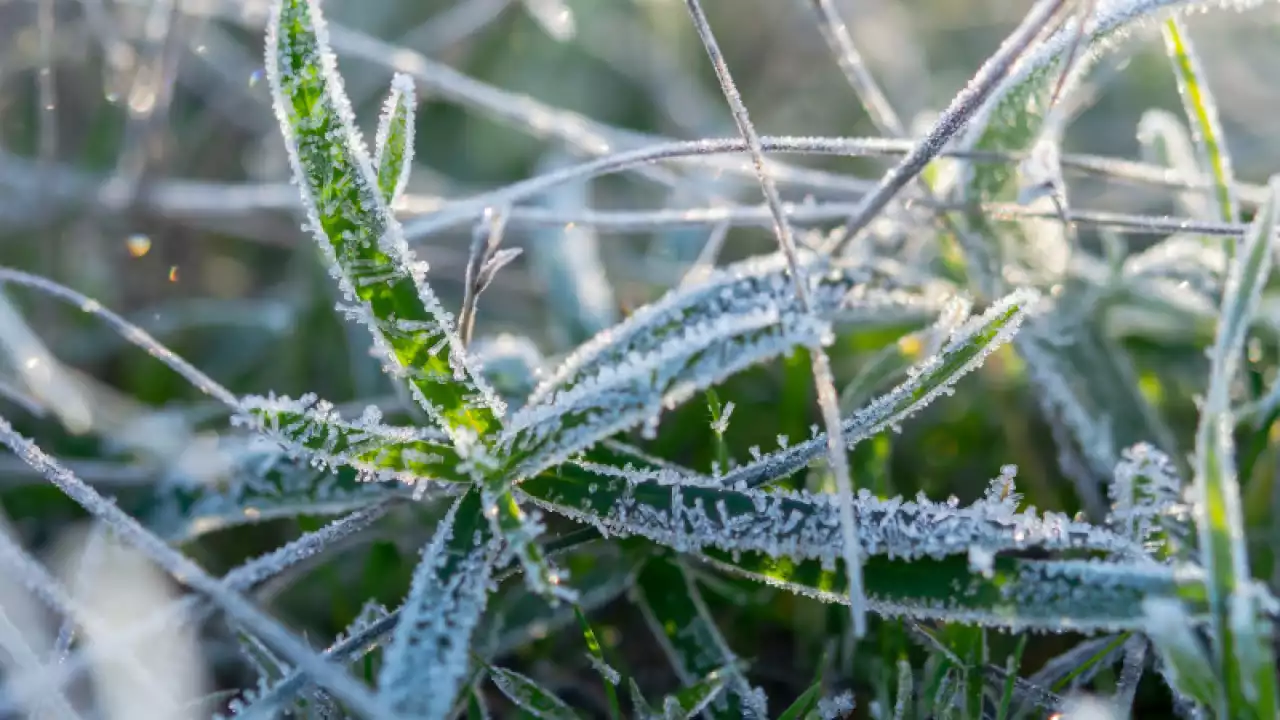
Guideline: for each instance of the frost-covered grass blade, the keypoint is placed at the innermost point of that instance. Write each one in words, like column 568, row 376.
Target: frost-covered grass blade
column 427, row 659
column 383, row 283
column 1242, row 644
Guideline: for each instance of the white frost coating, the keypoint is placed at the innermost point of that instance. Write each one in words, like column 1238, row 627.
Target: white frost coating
column 398, row 114
column 604, row 669
column 426, row 660
column 721, row 425
column 676, row 511
column 926, row 381
column 1059, row 399
column 1147, row 501
column 837, row 291
column 389, row 235
column 836, row 706
column 905, row 693
column 312, row 430
column 617, row 398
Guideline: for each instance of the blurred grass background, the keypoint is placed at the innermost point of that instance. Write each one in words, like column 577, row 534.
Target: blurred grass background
column 114, row 112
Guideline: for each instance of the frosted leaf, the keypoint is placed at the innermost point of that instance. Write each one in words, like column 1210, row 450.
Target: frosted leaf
column 1055, row 596
column 604, row 670
column 691, row 700
column 359, row 638
column 1186, row 261
column 844, row 291
column 427, row 657
column 530, row 696
column 312, row 430
column 721, row 424
column 689, row 515
column 965, row 350
column 393, row 143
column 1014, row 117
column 684, row 627
column 566, row 261
column 1135, row 660
column 383, row 284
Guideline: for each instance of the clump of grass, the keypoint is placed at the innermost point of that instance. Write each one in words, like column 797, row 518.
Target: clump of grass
column 548, row 495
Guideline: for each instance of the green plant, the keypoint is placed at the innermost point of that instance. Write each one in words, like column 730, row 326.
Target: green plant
column 503, row 444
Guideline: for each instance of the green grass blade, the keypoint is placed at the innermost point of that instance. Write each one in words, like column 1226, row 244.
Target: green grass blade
column 1019, row 594
column 1241, row 637
column 393, row 143
column 607, row 673
column 1202, row 112
column 382, row 282
column 680, row 620
column 426, row 659
column 312, row 430
column 530, row 696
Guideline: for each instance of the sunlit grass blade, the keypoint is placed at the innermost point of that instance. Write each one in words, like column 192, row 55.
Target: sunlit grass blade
column 679, row 618
column 602, row 667
column 1202, row 111
column 311, row 430
column 686, row 513
column 1241, row 633
column 426, row 660
column 383, row 283
column 393, row 143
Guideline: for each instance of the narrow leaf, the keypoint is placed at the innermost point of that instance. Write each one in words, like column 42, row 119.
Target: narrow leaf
column 1241, row 634
column 383, row 284
column 393, row 143
column 426, row 660
column 530, row 696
